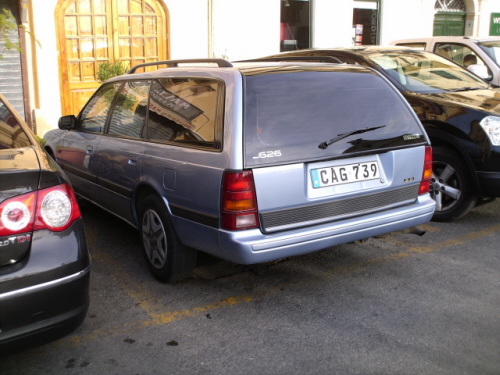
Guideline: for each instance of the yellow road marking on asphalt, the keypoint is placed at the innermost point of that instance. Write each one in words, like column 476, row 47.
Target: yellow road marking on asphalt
column 437, row 246
column 157, row 319
column 141, row 296
column 171, row 316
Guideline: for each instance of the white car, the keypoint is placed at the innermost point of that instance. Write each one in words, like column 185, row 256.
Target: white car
column 479, row 55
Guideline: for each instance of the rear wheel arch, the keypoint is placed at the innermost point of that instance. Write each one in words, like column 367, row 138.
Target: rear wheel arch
column 141, row 192
column 444, row 140
column 167, row 258
column 450, row 186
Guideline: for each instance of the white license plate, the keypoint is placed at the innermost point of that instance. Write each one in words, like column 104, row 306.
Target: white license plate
column 344, row 174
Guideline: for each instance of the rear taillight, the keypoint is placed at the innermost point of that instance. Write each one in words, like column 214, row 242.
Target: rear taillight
column 54, row 208
column 425, row 183
column 239, row 203
column 17, row 214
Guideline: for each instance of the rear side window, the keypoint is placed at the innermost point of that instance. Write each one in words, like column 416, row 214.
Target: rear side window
column 12, row 134
column 289, row 115
column 94, row 115
column 185, row 111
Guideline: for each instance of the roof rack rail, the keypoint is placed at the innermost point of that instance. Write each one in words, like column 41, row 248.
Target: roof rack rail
column 328, row 59
column 174, row 63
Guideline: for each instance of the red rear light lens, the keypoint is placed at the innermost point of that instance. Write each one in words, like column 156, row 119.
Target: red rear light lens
column 425, row 183
column 54, row 208
column 239, row 202
column 17, row 214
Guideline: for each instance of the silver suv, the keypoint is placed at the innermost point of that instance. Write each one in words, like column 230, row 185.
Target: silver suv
column 249, row 162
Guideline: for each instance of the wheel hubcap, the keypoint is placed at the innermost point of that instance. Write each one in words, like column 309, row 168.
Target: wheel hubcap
column 154, row 239
column 446, row 186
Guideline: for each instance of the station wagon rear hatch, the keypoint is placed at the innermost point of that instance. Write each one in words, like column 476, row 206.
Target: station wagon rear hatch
column 290, row 112
column 328, row 144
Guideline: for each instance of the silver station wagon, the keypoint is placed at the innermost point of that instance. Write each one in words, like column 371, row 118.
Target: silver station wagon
column 249, row 162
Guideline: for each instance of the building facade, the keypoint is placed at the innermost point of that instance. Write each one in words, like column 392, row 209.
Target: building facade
column 76, row 36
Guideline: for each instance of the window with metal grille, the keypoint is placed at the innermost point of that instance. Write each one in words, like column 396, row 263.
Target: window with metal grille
column 449, row 6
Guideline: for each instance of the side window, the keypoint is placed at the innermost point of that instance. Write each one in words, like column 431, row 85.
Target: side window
column 459, row 53
column 184, row 111
column 419, row 46
column 93, row 116
column 12, row 134
column 129, row 112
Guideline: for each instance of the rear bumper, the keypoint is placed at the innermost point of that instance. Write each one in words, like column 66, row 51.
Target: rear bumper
column 46, row 295
column 252, row 246
column 45, row 313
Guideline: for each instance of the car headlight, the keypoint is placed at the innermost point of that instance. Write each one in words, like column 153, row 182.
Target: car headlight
column 491, row 125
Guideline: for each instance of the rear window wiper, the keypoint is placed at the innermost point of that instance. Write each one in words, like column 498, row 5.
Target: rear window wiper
column 324, row 145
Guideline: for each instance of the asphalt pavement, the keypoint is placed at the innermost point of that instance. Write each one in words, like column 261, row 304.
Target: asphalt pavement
column 399, row 304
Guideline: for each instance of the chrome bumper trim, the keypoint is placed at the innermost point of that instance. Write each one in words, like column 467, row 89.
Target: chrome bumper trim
column 47, row 285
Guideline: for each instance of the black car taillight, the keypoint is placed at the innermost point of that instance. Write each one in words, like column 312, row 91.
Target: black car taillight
column 53, row 208
column 239, row 202
column 425, row 183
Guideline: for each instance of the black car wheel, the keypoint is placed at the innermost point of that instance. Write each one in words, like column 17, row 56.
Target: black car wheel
column 167, row 258
column 450, row 187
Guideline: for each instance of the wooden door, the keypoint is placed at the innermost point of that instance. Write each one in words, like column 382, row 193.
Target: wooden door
column 91, row 32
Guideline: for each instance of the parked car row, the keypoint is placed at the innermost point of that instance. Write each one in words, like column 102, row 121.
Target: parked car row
column 249, row 161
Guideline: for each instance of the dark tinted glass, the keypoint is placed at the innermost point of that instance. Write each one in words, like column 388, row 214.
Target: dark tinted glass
column 129, row 113
column 12, row 134
column 93, row 116
column 288, row 115
column 425, row 72
column 184, row 111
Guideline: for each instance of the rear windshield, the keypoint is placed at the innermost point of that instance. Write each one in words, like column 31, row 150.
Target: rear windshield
column 12, row 134
column 289, row 115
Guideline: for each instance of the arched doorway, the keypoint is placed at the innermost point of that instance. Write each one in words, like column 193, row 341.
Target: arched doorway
column 91, row 32
column 449, row 18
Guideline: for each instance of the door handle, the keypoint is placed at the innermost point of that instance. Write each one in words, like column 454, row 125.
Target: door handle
column 90, row 149
column 132, row 162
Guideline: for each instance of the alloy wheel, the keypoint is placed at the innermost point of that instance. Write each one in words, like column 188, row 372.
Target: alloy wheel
column 154, row 239
column 446, row 186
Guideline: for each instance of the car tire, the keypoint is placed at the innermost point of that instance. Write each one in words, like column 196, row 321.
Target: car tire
column 167, row 258
column 451, row 186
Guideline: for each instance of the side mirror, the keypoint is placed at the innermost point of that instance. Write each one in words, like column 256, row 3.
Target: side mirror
column 67, row 122
column 481, row 70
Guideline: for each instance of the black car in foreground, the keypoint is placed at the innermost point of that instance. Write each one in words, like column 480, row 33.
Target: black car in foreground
column 44, row 262
column 460, row 112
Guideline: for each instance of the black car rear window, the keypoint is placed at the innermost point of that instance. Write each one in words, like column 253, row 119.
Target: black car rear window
column 12, row 134
column 288, row 115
